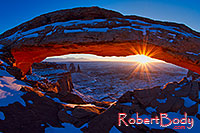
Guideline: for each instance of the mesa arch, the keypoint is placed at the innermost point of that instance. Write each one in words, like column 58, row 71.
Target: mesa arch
column 102, row 32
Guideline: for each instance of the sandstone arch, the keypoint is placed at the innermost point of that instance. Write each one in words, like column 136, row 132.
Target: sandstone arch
column 101, row 32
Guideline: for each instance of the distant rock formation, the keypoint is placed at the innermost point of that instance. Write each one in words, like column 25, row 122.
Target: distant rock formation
column 72, row 68
column 78, row 69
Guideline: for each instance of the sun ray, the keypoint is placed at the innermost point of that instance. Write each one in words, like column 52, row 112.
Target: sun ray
column 144, row 64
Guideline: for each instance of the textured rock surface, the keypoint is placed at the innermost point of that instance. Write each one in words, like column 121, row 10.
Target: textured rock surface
column 72, row 68
column 101, row 32
column 65, row 84
column 33, row 117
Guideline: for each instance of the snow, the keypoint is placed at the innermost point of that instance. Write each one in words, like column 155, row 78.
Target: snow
column 29, row 101
column 31, row 35
column 1, row 46
column 188, row 102
column 9, row 89
column 68, row 128
column 157, row 26
column 127, row 104
column 114, row 130
column 73, row 31
column 174, row 35
column 49, row 33
column 32, row 32
column 78, row 22
column 150, row 109
column 105, row 79
column 162, row 100
column 127, row 27
column 69, row 112
column 199, row 107
column 134, row 21
column 172, row 29
column 100, row 80
column 2, row 117
column 194, row 129
column 84, row 125
column 57, row 100
column 176, row 89
column 96, row 29
column 193, row 53
column 64, row 24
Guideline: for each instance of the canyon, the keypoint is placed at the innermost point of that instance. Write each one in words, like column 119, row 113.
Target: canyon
column 35, row 102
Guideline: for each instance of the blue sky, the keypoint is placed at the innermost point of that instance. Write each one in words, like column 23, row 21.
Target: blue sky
column 15, row 12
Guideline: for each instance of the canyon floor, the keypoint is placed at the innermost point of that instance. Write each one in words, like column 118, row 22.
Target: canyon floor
column 108, row 81
column 88, row 97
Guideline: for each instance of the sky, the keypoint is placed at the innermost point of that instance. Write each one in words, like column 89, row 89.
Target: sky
column 89, row 57
column 15, row 12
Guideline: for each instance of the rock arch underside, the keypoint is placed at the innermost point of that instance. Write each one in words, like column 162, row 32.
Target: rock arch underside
column 101, row 32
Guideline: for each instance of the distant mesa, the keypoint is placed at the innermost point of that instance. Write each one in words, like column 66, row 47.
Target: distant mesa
column 78, row 69
column 73, row 69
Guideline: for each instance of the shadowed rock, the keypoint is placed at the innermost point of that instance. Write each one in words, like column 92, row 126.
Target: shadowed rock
column 72, row 68
column 65, row 84
column 78, row 69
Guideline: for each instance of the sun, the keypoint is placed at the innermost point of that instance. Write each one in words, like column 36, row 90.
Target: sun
column 143, row 67
column 143, row 59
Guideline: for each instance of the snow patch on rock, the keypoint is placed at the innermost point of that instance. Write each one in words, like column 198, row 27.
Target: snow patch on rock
column 162, row 100
column 68, row 128
column 193, row 53
column 69, row 112
column 2, row 117
column 1, row 46
column 10, row 89
column 150, row 109
column 138, row 23
column 188, row 102
column 29, row 101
